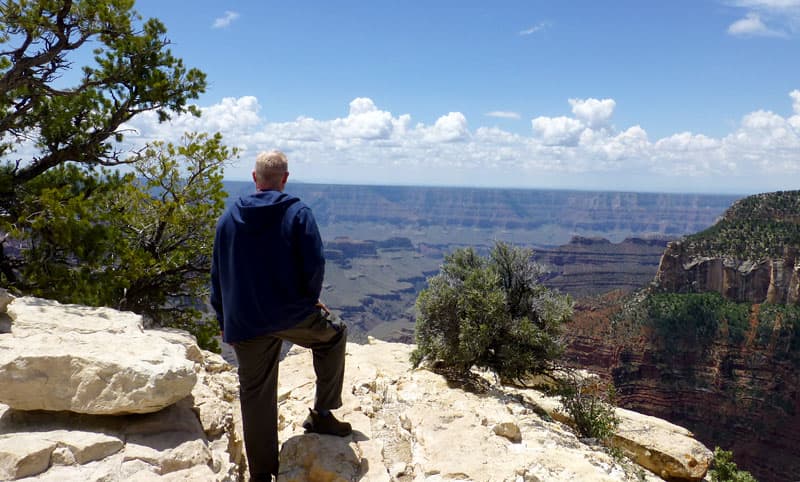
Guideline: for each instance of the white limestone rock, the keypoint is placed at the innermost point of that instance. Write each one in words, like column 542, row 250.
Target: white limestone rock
column 168, row 452
column 82, row 447
column 167, row 445
column 319, row 457
column 419, row 427
column 664, row 448
column 88, row 360
column 22, row 455
column 28, row 454
column 408, row 425
column 199, row 437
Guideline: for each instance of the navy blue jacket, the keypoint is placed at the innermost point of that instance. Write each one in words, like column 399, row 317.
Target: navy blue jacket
column 268, row 265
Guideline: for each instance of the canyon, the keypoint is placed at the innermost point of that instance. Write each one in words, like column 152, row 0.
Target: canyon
column 602, row 248
column 382, row 242
column 731, row 372
column 479, row 216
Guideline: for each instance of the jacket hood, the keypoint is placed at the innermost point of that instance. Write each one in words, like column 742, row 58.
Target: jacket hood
column 261, row 209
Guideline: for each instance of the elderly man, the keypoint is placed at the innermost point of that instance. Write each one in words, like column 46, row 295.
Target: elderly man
column 266, row 278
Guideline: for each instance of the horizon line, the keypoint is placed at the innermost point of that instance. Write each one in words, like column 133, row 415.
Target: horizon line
column 510, row 188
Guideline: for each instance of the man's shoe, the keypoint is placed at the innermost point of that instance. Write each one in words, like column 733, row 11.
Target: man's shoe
column 326, row 424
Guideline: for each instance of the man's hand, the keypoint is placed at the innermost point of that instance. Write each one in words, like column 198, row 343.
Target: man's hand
column 324, row 308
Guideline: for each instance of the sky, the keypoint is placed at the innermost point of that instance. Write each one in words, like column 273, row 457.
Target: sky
column 664, row 96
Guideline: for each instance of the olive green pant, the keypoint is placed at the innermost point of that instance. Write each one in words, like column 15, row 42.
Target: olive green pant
column 258, row 383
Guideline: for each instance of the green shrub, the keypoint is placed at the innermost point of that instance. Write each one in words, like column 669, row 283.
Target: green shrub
column 591, row 409
column 724, row 469
column 756, row 227
column 691, row 318
column 492, row 313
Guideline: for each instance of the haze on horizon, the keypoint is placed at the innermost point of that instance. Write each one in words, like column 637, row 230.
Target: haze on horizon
column 683, row 96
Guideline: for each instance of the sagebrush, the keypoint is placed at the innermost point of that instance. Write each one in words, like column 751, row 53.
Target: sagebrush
column 491, row 312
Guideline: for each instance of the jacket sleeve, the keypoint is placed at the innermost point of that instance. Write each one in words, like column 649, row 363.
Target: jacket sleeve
column 312, row 258
column 216, row 284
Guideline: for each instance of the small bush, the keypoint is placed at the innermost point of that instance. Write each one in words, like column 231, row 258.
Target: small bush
column 490, row 312
column 591, row 409
column 724, row 469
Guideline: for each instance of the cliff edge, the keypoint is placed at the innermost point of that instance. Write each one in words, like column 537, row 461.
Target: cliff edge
column 749, row 255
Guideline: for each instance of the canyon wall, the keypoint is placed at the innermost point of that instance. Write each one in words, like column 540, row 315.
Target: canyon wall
column 770, row 279
column 714, row 342
column 592, row 266
column 744, row 397
column 472, row 216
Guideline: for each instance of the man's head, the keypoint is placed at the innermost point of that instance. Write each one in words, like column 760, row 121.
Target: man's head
column 271, row 171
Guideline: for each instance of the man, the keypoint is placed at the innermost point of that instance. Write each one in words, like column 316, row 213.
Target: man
column 266, row 278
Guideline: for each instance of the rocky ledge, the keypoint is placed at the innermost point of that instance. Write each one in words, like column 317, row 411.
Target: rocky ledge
column 409, row 425
column 415, row 425
column 87, row 394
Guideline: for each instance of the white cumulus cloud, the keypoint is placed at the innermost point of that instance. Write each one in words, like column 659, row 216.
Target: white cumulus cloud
column 557, row 130
column 771, row 18
column 751, row 25
column 503, row 114
column 593, row 112
column 225, row 20
column 364, row 122
column 380, row 146
column 795, row 95
column 448, row 128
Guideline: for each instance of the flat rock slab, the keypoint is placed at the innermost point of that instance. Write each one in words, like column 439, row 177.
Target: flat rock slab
column 88, row 360
column 666, row 449
column 26, row 454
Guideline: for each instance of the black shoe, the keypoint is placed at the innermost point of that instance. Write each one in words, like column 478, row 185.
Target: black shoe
column 326, row 424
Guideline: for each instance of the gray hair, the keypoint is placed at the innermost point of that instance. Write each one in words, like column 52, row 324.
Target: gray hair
column 270, row 167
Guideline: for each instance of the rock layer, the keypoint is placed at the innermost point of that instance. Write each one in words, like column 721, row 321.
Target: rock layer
column 198, row 437
column 592, row 266
column 741, row 397
column 771, row 280
column 88, row 360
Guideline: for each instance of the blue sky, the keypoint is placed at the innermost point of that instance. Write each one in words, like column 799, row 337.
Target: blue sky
column 699, row 95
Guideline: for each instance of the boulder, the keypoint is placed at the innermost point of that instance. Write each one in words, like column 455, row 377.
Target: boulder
column 88, row 360
column 664, row 448
column 319, row 458
column 197, row 437
column 22, row 455
column 171, row 444
column 25, row 454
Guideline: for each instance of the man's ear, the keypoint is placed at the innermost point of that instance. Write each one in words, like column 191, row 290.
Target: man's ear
column 254, row 176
